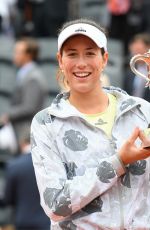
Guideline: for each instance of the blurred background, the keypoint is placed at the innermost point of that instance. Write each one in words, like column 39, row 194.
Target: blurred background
column 28, row 69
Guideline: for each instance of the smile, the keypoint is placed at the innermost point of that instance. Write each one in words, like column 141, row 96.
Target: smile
column 82, row 74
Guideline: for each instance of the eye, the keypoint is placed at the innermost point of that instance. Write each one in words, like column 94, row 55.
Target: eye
column 72, row 54
column 90, row 53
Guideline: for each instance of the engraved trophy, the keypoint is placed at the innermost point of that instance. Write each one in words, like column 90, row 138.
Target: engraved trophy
column 145, row 58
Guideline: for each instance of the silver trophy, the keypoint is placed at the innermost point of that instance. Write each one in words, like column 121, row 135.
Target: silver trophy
column 145, row 58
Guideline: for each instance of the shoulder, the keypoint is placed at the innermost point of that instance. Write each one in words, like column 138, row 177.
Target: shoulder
column 142, row 102
column 37, row 71
column 43, row 117
column 126, row 101
column 123, row 95
column 35, row 74
column 42, row 124
column 58, row 108
column 142, row 106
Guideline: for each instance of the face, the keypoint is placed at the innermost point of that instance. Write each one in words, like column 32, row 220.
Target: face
column 20, row 55
column 138, row 47
column 82, row 63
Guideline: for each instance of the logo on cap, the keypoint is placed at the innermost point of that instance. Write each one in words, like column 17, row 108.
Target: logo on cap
column 80, row 30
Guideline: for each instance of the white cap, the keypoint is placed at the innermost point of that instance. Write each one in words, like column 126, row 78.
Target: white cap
column 86, row 29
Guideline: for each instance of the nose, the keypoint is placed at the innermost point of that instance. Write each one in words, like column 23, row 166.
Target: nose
column 81, row 63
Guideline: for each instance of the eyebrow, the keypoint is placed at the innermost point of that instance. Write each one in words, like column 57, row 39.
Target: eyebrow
column 70, row 49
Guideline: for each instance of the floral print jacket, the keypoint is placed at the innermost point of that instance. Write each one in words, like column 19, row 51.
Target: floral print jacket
column 82, row 183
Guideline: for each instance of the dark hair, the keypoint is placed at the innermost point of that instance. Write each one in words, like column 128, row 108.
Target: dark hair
column 82, row 20
column 86, row 21
column 144, row 37
column 32, row 47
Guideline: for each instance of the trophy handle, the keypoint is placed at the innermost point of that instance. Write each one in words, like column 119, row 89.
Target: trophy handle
column 133, row 60
column 145, row 58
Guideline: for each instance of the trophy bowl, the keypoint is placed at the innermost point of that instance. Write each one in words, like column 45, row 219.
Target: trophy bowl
column 145, row 58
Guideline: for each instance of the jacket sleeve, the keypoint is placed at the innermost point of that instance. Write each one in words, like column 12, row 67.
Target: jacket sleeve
column 60, row 196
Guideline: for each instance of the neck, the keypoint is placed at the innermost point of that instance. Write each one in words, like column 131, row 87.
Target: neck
column 95, row 102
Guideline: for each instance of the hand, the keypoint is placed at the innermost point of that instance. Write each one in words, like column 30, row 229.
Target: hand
column 130, row 153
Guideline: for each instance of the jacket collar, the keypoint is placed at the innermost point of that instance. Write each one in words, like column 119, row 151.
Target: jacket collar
column 61, row 108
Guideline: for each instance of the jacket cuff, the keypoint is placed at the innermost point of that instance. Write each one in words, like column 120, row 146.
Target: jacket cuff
column 118, row 165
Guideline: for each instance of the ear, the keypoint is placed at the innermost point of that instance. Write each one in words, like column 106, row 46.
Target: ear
column 105, row 59
column 59, row 58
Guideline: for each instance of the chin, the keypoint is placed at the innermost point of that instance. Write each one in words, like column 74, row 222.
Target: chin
column 83, row 90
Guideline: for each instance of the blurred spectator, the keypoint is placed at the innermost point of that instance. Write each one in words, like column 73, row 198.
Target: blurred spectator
column 146, row 16
column 21, row 192
column 135, row 20
column 118, row 10
column 128, row 18
column 6, row 7
column 118, row 19
column 54, row 15
column 31, row 89
column 134, row 85
column 41, row 18
column 25, row 19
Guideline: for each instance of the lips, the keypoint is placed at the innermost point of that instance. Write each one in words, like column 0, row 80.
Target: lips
column 81, row 74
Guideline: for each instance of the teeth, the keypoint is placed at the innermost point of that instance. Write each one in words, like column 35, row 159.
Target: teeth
column 81, row 75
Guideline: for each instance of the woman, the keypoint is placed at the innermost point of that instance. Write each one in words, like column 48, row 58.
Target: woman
column 91, row 168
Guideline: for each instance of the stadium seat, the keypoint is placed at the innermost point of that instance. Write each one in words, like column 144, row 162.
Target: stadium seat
column 48, row 48
column 114, row 68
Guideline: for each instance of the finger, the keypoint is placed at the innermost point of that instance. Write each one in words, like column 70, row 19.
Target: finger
column 134, row 135
column 142, row 136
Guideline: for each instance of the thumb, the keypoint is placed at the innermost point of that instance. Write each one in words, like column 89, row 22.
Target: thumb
column 134, row 135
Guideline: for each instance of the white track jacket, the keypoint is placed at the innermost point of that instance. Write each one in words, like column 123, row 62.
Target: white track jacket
column 82, row 183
